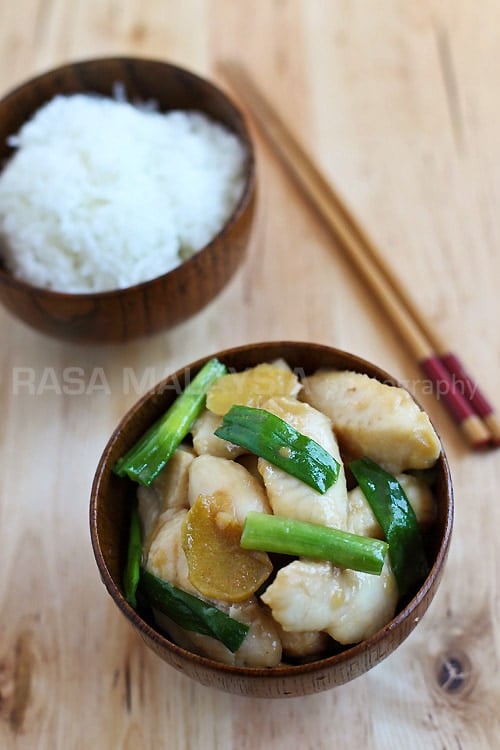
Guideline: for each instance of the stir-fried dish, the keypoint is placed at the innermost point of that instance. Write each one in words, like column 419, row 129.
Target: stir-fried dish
column 279, row 519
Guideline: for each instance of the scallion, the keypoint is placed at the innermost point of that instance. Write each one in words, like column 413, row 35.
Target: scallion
column 132, row 570
column 264, row 531
column 192, row 613
column 397, row 519
column 270, row 437
column 144, row 461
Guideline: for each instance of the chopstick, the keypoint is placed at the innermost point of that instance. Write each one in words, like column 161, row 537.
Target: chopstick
column 452, row 384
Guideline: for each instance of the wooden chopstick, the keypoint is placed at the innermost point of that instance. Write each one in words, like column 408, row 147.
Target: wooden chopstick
column 467, row 405
column 463, row 382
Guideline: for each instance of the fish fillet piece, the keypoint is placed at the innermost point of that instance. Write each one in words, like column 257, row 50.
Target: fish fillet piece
column 169, row 490
column 204, row 440
column 211, row 475
column 373, row 419
column 307, row 595
column 289, row 496
column 165, row 557
column 304, row 645
column 262, row 645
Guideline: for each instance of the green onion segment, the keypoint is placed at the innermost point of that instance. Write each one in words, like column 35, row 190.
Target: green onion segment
column 192, row 613
column 270, row 437
column 132, row 570
column 144, row 461
column 264, row 531
column 396, row 517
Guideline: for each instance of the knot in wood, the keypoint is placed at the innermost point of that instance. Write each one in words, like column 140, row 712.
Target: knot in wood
column 453, row 671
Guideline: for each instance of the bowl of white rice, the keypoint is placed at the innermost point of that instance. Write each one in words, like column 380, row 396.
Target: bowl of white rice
column 127, row 193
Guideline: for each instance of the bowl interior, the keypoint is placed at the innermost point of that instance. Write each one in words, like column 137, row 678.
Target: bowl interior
column 160, row 303
column 109, row 521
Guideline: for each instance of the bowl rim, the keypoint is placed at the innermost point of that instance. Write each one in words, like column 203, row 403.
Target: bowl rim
column 244, row 201
column 282, row 670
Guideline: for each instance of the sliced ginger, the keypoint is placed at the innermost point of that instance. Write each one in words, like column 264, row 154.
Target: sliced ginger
column 218, row 567
column 251, row 387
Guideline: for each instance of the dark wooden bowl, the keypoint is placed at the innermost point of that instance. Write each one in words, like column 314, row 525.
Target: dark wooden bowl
column 165, row 301
column 109, row 521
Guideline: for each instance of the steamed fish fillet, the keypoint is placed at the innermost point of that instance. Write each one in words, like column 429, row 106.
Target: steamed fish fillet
column 262, row 645
column 210, row 475
column 372, row 419
column 289, row 496
column 168, row 491
column 251, row 464
column 204, row 440
column 317, row 596
column 304, row 645
column 361, row 519
column 165, row 557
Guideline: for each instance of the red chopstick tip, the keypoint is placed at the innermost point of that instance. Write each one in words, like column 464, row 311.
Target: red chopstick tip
column 483, row 445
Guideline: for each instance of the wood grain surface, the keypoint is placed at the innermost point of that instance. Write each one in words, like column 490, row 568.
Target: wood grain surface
column 399, row 103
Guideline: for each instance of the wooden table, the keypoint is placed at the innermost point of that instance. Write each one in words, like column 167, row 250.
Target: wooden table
column 399, row 101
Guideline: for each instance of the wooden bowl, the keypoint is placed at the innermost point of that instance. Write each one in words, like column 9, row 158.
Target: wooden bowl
column 164, row 301
column 109, row 522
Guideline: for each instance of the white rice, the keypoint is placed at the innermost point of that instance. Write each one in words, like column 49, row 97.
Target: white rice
column 101, row 194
